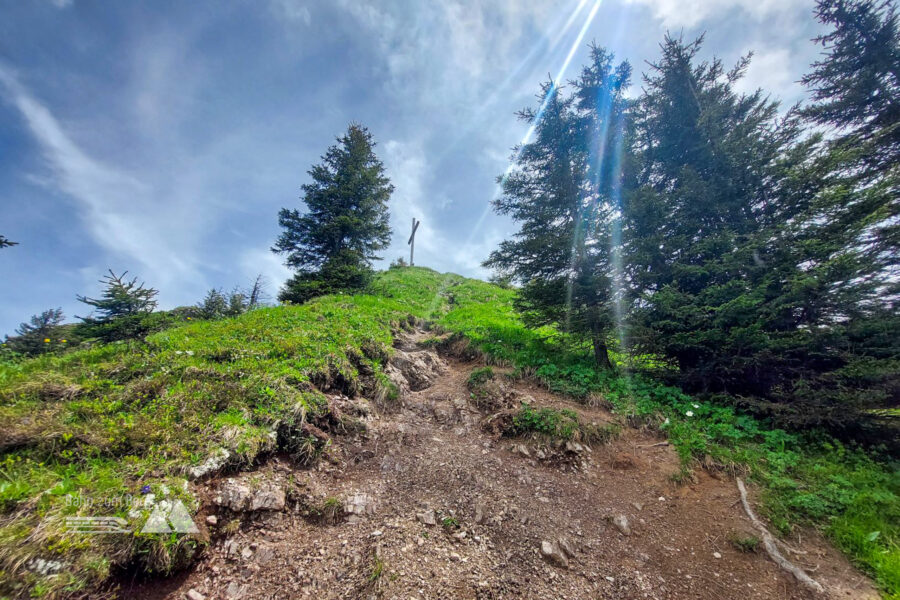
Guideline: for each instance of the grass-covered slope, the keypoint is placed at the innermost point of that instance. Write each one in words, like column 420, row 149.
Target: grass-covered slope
column 99, row 424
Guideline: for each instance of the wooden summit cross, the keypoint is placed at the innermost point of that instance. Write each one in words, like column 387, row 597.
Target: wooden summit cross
column 412, row 240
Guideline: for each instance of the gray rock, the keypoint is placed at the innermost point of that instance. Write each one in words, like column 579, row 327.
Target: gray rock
column 574, row 447
column 621, row 523
column 567, row 547
column 234, row 591
column 232, row 549
column 359, row 505
column 264, row 554
column 417, row 369
column 479, row 513
column 212, row 520
column 234, row 495
column 427, row 517
column 45, row 567
column 213, row 463
column 552, row 553
column 195, row 595
column 269, row 497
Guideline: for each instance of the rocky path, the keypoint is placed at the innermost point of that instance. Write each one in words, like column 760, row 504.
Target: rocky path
column 426, row 504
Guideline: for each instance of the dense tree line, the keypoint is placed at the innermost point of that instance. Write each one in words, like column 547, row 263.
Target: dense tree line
column 752, row 251
column 125, row 310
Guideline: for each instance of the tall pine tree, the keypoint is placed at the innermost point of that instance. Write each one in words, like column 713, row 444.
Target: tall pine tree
column 855, row 86
column 332, row 244
column 709, row 172
column 559, row 191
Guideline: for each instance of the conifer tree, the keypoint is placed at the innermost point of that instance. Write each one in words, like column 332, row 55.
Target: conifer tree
column 332, row 244
column 120, row 298
column 559, row 193
column 707, row 180
column 39, row 335
column 855, row 86
column 121, row 311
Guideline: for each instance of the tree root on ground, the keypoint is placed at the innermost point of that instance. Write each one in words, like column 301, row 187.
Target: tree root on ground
column 772, row 549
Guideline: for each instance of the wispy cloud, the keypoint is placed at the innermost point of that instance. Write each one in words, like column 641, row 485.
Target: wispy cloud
column 690, row 13
column 116, row 206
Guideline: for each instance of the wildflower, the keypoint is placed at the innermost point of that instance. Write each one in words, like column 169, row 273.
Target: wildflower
column 666, row 422
column 145, row 489
column 63, row 341
column 46, row 340
column 689, row 413
column 695, row 405
column 188, row 318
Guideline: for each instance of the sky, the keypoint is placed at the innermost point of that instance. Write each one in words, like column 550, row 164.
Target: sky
column 162, row 137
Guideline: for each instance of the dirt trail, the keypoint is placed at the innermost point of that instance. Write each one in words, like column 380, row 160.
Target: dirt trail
column 499, row 505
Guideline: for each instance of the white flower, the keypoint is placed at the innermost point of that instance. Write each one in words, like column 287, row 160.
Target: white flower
column 689, row 413
column 695, row 405
column 666, row 422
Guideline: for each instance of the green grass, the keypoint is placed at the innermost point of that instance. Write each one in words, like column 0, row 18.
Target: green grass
column 102, row 422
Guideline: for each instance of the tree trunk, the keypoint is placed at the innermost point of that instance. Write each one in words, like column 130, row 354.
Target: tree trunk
column 601, row 355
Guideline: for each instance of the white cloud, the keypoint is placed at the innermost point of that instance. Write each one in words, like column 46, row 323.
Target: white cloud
column 117, row 207
column 690, row 13
column 774, row 71
column 405, row 166
column 262, row 261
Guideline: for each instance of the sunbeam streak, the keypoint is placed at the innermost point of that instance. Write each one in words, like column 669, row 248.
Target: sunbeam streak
column 561, row 73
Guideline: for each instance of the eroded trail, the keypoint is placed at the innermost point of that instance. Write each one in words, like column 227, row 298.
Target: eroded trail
column 440, row 508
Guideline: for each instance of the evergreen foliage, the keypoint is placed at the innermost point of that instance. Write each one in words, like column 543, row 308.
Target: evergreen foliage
column 562, row 191
column 122, row 308
column 331, row 246
column 750, row 252
column 856, row 85
column 218, row 304
column 40, row 334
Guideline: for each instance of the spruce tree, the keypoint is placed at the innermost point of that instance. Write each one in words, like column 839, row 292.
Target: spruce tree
column 559, row 192
column 39, row 335
column 855, row 86
column 855, row 89
column 332, row 244
column 120, row 311
column 707, row 180
column 753, row 251
column 120, row 298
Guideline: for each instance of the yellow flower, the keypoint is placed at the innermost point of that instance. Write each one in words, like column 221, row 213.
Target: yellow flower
column 63, row 341
column 189, row 318
column 46, row 340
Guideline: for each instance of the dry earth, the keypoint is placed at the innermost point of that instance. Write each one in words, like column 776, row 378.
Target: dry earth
column 440, row 508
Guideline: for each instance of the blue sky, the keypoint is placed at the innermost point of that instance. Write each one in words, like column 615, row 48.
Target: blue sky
column 162, row 137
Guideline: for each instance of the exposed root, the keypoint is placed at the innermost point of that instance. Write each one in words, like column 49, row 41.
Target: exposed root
column 772, row 549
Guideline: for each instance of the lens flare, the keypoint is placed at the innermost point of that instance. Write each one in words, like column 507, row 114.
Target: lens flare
column 561, row 73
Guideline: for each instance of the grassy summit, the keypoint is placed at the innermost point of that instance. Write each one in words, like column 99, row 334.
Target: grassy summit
column 84, row 430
